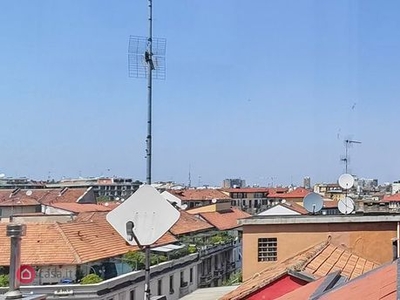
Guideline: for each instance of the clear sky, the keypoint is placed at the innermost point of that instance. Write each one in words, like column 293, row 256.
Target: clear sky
column 263, row 90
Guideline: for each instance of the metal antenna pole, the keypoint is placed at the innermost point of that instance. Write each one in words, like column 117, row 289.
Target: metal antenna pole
column 150, row 67
column 146, row 59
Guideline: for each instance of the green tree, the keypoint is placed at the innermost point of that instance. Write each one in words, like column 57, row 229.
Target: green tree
column 4, row 280
column 91, row 279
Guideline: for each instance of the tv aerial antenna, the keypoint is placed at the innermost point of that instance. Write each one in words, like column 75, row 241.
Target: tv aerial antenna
column 347, row 144
column 313, row 203
column 146, row 59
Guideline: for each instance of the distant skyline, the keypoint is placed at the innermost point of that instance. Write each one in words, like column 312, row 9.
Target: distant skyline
column 264, row 90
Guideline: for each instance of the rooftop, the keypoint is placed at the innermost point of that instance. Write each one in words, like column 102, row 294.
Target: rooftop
column 199, row 194
column 189, row 224
column 318, row 219
column 224, row 220
column 315, row 262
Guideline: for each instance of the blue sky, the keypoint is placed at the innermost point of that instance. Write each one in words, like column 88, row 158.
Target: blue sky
column 260, row 90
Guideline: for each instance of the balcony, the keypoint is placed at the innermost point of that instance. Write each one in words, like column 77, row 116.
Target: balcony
column 205, row 280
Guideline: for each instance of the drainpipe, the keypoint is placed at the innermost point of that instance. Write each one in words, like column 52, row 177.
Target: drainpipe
column 15, row 232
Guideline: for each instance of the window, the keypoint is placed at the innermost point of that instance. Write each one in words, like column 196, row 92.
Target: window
column 171, row 284
column 191, row 275
column 182, row 278
column 267, row 249
column 132, row 295
column 159, row 287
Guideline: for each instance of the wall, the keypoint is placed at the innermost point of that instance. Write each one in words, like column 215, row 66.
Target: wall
column 371, row 241
column 7, row 211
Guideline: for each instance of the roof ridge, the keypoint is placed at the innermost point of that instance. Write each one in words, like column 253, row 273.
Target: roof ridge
column 318, row 248
column 69, row 244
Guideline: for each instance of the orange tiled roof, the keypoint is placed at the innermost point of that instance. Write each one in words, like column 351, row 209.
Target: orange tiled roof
column 199, row 194
column 78, row 207
column 333, row 258
column 69, row 243
column 188, row 224
column 296, row 193
column 391, row 198
column 44, row 196
column 295, row 207
column 317, row 261
column 379, row 284
column 225, row 220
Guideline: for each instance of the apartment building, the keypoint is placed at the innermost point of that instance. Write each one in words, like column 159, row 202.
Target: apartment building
column 270, row 240
column 195, row 253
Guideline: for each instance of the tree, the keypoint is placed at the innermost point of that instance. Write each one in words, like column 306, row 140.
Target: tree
column 4, row 280
column 91, row 279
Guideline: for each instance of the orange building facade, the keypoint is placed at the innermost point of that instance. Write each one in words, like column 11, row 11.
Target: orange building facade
column 269, row 240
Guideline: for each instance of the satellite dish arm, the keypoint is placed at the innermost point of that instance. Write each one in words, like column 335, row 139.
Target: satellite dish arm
column 130, row 234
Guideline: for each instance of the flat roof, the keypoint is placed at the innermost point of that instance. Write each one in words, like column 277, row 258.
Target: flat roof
column 317, row 219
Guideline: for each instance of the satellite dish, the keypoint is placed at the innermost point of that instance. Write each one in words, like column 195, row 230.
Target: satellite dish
column 28, row 193
column 214, row 200
column 346, row 206
column 313, row 202
column 283, row 201
column 346, row 181
column 184, row 206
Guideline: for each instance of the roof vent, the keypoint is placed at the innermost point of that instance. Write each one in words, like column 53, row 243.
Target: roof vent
column 62, row 192
column 14, row 192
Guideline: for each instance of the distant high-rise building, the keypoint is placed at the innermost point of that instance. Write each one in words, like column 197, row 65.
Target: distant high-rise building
column 233, row 183
column 307, row 182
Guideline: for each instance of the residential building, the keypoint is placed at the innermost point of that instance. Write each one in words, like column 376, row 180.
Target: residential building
column 299, row 270
column 270, row 240
column 233, row 183
column 253, row 200
column 190, row 198
column 112, row 188
column 81, row 242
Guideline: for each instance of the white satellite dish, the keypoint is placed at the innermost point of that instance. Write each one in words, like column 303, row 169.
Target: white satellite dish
column 144, row 217
column 283, row 201
column 346, row 206
column 28, row 193
column 214, row 200
column 346, row 181
column 313, row 202
column 184, row 206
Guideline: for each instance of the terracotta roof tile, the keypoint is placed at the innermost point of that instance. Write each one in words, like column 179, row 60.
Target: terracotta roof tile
column 317, row 261
column 43, row 196
column 296, row 193
column 78, row 207
column 391, row 198
column 199, row 194
column 69, row 243
column 225, row 220
column 188, row 224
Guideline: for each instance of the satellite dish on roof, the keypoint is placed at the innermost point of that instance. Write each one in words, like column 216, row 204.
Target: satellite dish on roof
column 313, row 202
column 184, row 206
column 214, row 200
column 283, row 201
column 28, row 193
column 346, row 181
column 346, row 206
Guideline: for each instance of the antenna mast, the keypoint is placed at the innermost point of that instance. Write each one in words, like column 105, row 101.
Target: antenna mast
column 347, row 144
column 146, row 59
